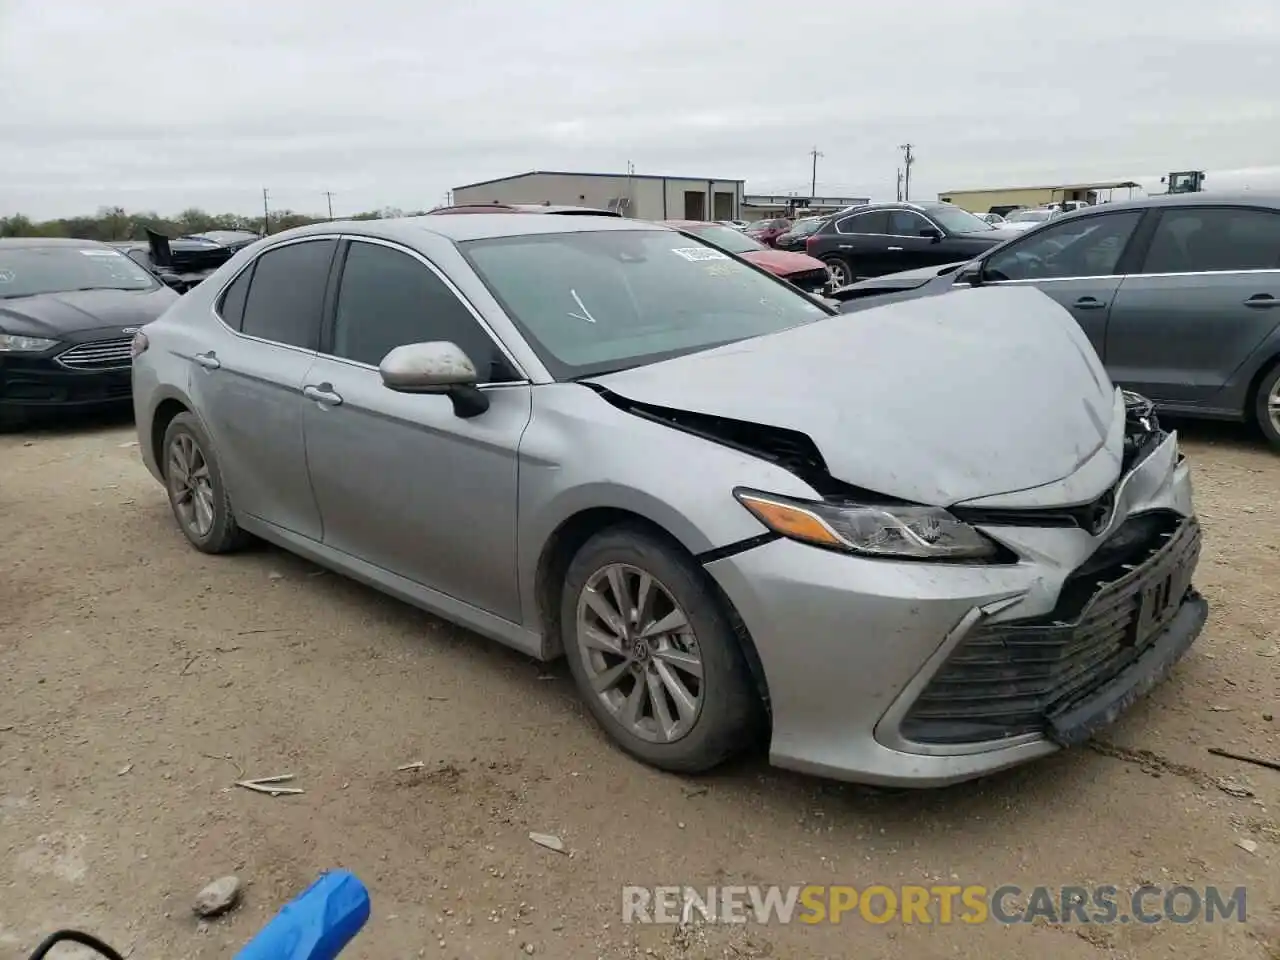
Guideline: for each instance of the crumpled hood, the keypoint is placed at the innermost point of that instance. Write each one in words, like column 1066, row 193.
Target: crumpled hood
column 56, row 314
column 783, row 263
column 934, row 400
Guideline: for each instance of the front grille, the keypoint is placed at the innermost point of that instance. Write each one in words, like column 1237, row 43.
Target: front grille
column 810, row 279
column 98, row 355
column 1006, row 678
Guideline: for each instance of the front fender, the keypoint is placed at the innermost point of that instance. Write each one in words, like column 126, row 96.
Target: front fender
column 581, row 453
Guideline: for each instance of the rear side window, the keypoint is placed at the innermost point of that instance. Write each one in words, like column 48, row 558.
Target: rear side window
column 286, row 295
column 1214, row 239
column 876, row 222
column 231, row 306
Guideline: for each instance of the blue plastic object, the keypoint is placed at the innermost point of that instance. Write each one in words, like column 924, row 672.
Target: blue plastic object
column 315, row 925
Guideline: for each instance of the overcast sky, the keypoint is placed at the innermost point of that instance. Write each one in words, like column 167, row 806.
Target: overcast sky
column 152, row 104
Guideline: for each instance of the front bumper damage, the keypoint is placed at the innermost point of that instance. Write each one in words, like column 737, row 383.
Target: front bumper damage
column 923, row 674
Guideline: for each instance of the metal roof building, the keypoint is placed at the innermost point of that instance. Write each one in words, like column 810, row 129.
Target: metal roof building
column 642, row 195
column 986, row 201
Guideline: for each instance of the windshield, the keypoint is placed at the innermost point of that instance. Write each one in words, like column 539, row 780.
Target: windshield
column 955, row 220
column 726, row 238
column 599, row 301
column 29, row 271
column 1029, row 216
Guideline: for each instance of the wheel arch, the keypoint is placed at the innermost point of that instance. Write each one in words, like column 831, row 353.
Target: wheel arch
column 1265, row 369
column 161, row 416
column 568, row 538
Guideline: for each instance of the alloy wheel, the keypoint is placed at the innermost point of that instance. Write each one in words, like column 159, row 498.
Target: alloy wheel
column 190, row 485
column 640, row 653
column 1273, row 406
column 839, row 273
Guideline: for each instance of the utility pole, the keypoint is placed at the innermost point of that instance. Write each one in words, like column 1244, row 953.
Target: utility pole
column 899, row 184
column 328, row 195
column 908, row 158
column 266, row 214
column 813, row 185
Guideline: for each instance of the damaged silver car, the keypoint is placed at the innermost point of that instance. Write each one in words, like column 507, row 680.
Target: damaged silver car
column 911, row 546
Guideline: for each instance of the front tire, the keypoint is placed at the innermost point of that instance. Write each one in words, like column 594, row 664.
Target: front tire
column 654, row 653
column 838, row 269
column 197, row 492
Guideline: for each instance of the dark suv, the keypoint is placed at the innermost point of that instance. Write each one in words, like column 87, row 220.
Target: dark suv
column 1180, row 296
column 880, row 238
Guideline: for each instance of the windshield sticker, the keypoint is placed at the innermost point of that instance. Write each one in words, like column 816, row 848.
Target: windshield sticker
column 101, row 253
column 696, row 254
column 7, row 276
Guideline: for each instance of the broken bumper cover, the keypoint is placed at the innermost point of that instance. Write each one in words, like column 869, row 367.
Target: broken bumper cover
column 849, row 646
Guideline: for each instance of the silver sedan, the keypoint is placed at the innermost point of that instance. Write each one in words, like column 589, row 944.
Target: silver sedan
column 909, row 547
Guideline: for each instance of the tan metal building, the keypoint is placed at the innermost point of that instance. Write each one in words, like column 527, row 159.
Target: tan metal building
column 644, row 196
column 1001, row 199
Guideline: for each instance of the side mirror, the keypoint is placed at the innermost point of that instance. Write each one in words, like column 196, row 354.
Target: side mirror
column 933, row 233
column 439, row 367
column 970, row 273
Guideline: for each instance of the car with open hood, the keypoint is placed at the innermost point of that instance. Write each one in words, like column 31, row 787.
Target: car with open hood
column 68, row 313
column 911, row 547
column 805, row 272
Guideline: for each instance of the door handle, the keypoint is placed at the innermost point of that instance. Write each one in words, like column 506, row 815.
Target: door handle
column 1088, row 303
column 322, row 394
column 208, row 360
column 894, row 249
column 1261, row 301
column 845, row 246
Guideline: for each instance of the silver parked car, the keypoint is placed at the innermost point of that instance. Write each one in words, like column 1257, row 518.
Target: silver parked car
column 912, row 546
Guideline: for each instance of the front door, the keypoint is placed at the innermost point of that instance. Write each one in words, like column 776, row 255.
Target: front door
column 403, row 482
column 1076, row 262
column 248, row 382
column 1206, row 295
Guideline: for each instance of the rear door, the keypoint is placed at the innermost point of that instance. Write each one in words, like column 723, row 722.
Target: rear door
column 247, row 383
column 403, row 482
column 1206, row 296
column 1077, row 262
column 861, row 241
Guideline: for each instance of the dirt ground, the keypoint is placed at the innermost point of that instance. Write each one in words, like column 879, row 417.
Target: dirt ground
column 138, row 679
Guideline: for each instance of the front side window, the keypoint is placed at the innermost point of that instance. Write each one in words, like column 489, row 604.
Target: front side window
column 389, row 299
column 875, row 223
column 597, row 301
column 286, row 295
column 1084, row 247
column 35, row 270
column 1214, row 239
column 906, row 223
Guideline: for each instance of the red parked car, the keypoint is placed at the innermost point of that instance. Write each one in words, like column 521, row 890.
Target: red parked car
column 767, row 231
column 798, row 268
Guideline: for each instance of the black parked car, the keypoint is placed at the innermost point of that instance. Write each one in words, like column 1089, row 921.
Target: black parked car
column 184, row 262
column 68, row 313
column 1180, row 296
column 795, row 238
column 880, row 238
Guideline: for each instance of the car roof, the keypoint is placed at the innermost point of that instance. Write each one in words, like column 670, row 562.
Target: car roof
column 1228, row 198
column 691, row 224
column 560, row 208
column 469, row 226
column 48, row 242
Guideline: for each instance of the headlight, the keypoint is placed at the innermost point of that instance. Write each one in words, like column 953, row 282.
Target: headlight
column 873, row 530
column 12, row 343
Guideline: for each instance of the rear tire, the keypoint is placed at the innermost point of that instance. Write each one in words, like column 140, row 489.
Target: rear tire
column 197, row 493
column 1266, row 406
column 840, row 271
column 661, row 670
